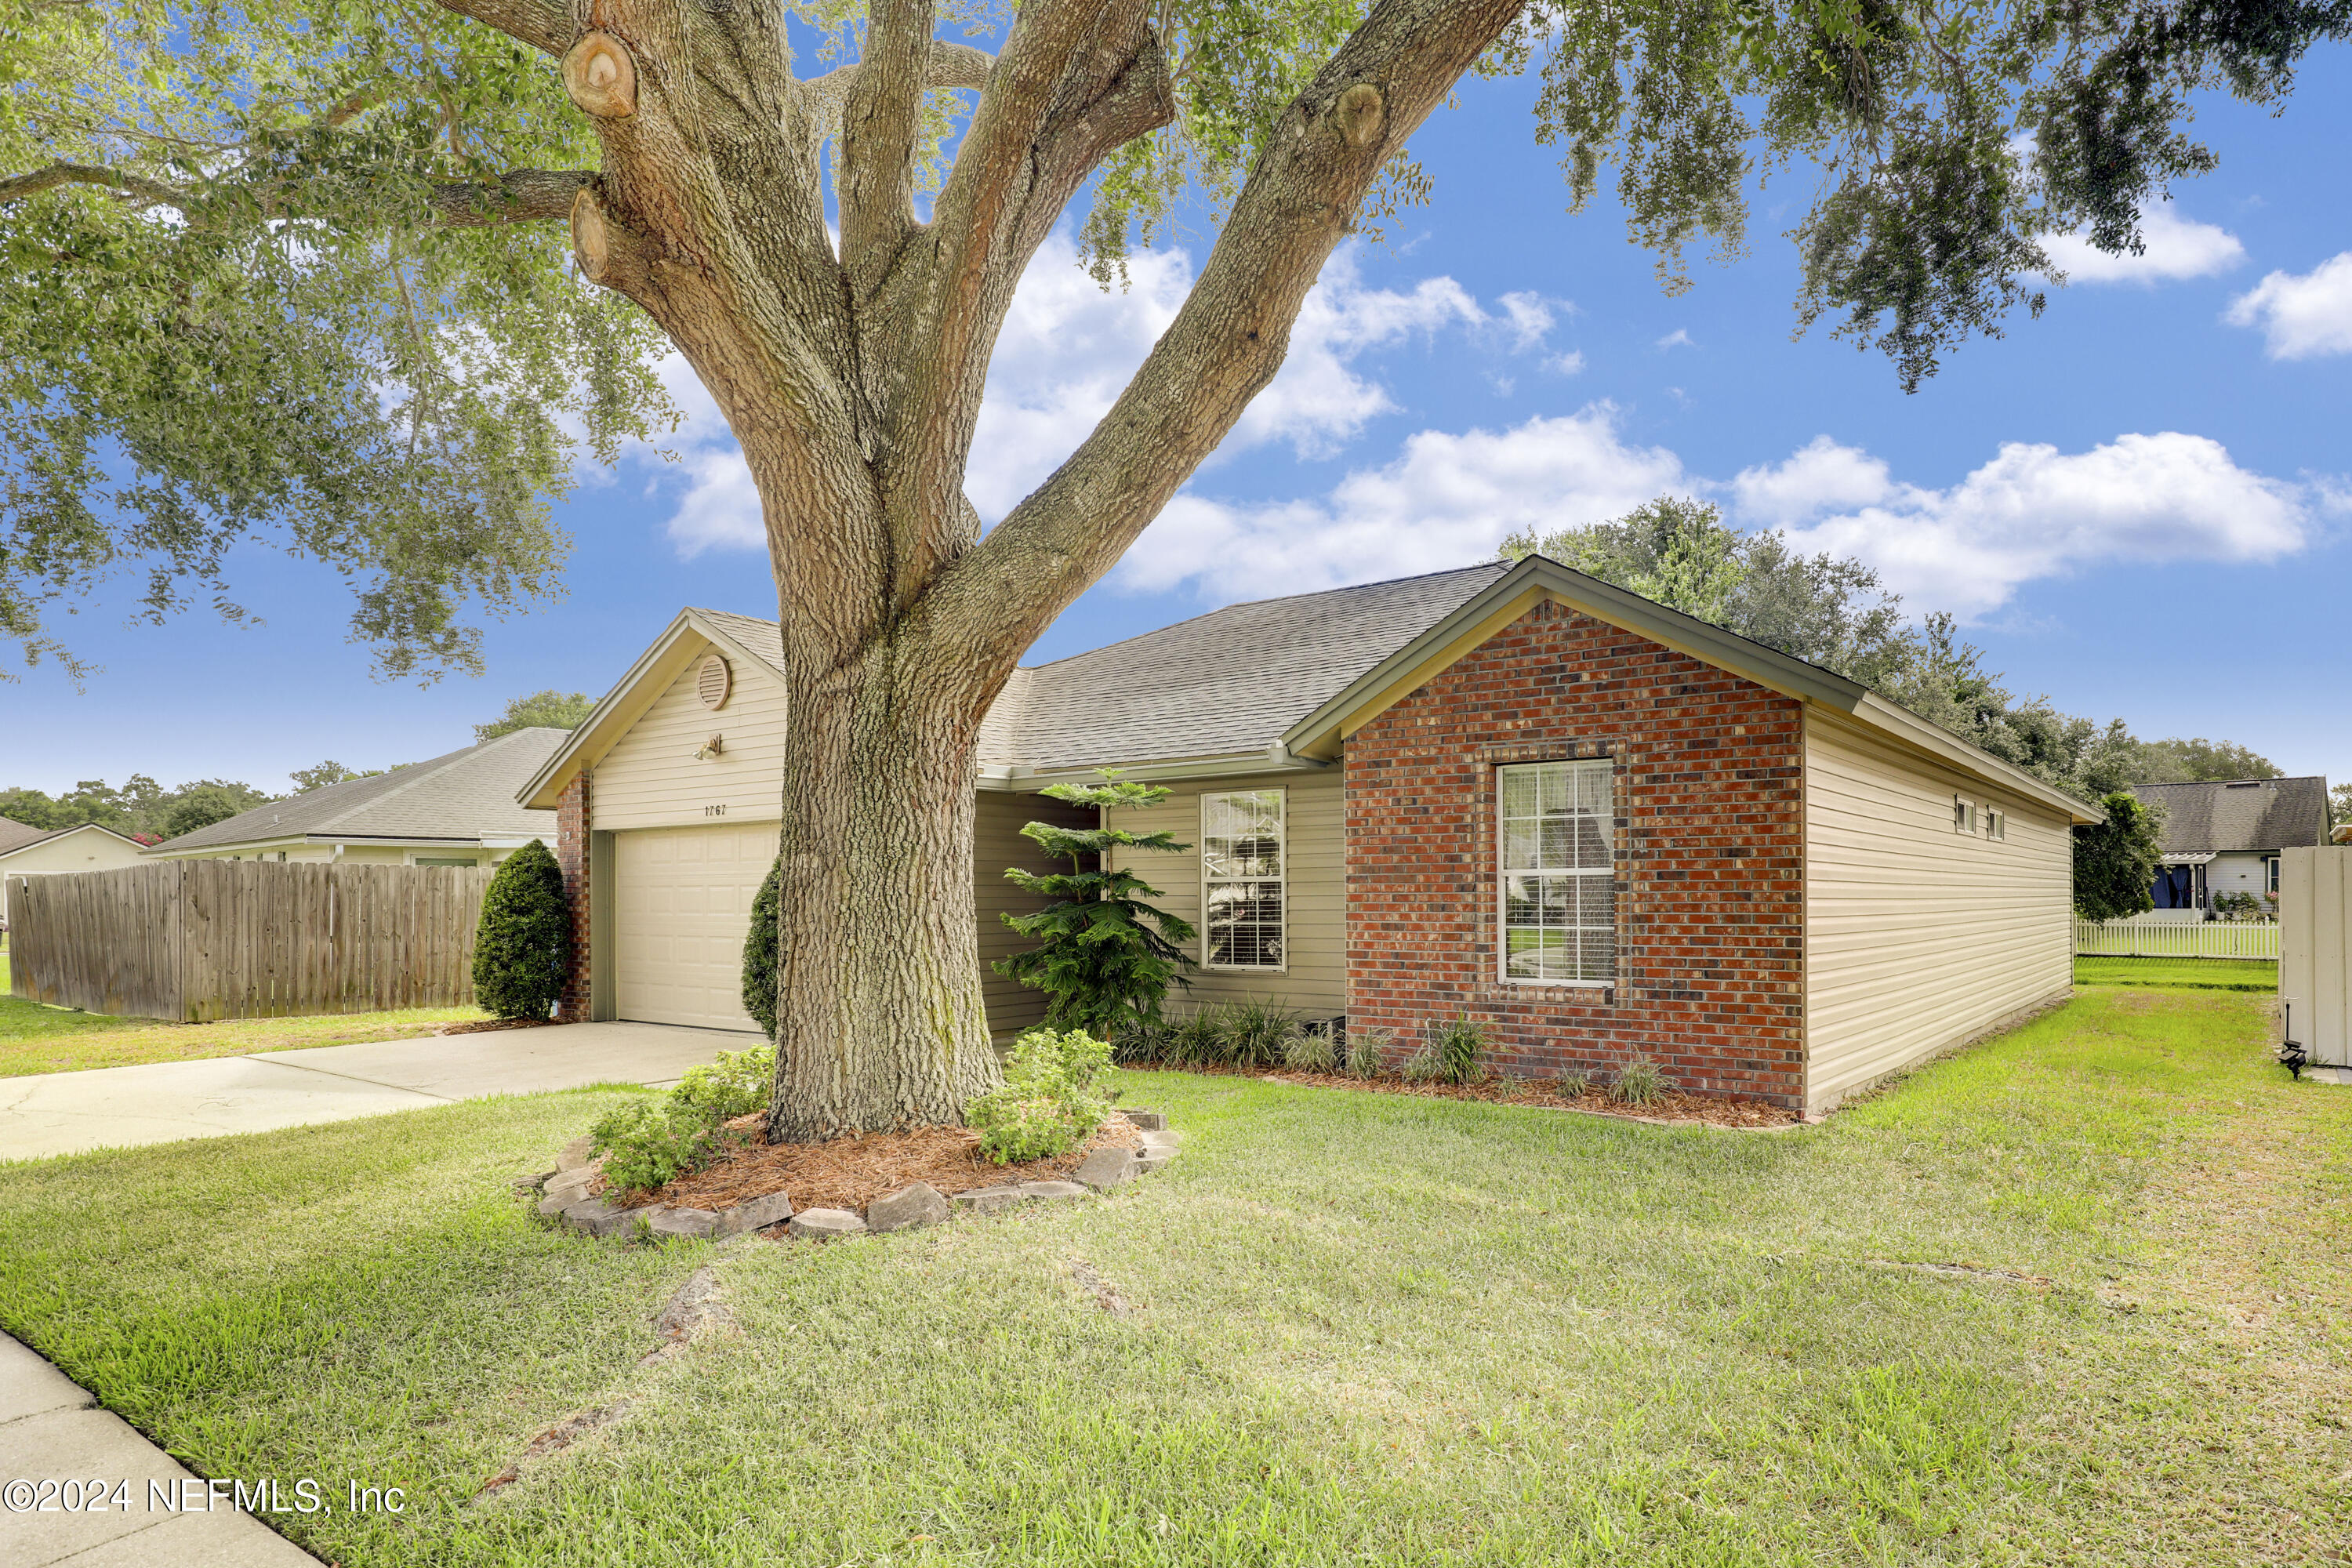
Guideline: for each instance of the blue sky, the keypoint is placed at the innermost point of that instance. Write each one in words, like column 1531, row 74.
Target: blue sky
column 2141, row 504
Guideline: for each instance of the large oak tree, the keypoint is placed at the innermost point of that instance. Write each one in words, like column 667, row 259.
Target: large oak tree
column 303, row 270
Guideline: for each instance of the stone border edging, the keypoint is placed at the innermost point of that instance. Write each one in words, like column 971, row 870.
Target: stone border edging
column 563, row 1196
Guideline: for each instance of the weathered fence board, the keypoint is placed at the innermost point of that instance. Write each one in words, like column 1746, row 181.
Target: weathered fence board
column 2185, row 939
column 198, row 941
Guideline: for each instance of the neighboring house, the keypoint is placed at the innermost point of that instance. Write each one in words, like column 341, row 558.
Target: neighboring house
column 1597, row 825
column 42, row 852
column 2224, row 838
column 456, row 810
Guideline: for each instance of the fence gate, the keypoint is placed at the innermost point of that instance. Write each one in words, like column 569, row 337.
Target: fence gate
column 2315, row 950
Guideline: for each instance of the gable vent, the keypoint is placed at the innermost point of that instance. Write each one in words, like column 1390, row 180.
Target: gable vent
column 713, row 681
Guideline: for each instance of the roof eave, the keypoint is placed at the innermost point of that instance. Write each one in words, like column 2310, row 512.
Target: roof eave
column 1275, row 759
column 619, row 710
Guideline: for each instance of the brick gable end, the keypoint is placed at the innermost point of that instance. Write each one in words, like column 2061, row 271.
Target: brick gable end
column 1707, row 782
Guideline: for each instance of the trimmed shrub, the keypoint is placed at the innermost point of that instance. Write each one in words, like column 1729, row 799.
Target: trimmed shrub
column 522, row 948
column 760, row 948
column 1048, row 1105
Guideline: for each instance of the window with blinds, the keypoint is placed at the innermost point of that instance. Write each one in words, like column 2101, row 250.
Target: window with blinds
column 1241, row 902
column 1558, row 872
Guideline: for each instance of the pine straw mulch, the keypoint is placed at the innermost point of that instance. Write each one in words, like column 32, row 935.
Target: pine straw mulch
column 1545, row 1094
column 485, row 1026
column 850, row 1173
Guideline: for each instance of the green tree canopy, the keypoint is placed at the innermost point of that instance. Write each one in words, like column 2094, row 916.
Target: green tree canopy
column 140, row 808
column 2196, row 762
column 320, row 776
column 202, row 804
column 294, row 269
column 2115, row 860
column 549, row 709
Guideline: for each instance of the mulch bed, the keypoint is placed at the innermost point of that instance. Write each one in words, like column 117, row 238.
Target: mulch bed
column 850, row 1173
column 1674, row 1105
column 483, row 1026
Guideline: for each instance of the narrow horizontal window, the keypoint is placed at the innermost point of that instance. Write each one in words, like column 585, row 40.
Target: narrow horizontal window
column 1558, row 872
column 1242, row 892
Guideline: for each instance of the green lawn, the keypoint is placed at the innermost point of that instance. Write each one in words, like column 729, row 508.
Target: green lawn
column 36, row 1039
column 2195, row 974
column 1366, row 1330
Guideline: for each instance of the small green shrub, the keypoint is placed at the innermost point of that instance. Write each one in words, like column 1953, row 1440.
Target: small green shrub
column 1315, row 1048
column 737, row 1084
column 522, row 945
column 1142, row 1042
column 1367, row 1052
column 1638, row 1083
column 1049, row 1103
column 1574, row 1082
column 649, row 1143
column 761, row 949
column 1456, row 1051
column 1203, row 1037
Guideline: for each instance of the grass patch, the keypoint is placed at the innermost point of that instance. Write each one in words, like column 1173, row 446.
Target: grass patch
column 1366, row 1329
column 2188, row 973
column 36, row 1039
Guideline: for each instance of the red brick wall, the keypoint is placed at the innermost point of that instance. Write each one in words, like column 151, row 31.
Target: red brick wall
column 1707, row 792
column 571, row 825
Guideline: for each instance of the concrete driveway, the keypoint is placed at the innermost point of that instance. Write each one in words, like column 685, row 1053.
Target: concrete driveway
column 67, row 1112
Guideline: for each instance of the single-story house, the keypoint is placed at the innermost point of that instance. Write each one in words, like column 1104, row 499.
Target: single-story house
column 454, row 810
column 2223, row 838
column 1599, row 827
column 27, row 851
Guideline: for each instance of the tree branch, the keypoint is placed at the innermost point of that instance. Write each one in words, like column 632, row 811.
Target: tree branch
column 879, row 121
column 151, row 193
column 520, row 195
column 537, row 23
column 1226, row 342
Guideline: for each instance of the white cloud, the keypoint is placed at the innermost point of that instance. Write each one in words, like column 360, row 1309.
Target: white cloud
column 1679, row 338
column 2032, row 513
column 2176, row 248
column 1444, row 502
column 1068, row 348
column 2301, row 317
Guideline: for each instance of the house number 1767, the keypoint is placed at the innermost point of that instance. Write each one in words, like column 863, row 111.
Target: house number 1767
column 714, row 810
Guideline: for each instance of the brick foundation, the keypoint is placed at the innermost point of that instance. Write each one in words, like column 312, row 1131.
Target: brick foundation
column 1709, row 782
column 572, row 824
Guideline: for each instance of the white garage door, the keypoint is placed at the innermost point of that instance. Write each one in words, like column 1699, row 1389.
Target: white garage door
column 685, row 896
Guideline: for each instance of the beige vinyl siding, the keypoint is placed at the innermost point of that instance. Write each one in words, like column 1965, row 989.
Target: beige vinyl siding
column 650, row 778
column 998, row 820
column 1918, row 937
column 1314, row 978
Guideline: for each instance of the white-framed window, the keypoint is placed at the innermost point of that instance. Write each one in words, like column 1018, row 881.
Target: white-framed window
column 1996, row 823
column 2269, row 875
column 1243, row 901
column 1964, row 816
column 1557, row 845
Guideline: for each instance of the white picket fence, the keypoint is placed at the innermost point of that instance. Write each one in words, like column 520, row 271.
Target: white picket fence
column 2185, row 939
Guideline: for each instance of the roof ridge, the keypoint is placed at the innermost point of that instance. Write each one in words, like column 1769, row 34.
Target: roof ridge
column 1272, row 599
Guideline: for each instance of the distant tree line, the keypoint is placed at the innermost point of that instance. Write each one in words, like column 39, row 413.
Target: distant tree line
column 142, row 809
column 1832, row 611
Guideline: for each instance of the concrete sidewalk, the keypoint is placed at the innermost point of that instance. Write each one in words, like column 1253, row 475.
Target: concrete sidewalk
column 67, row 1112
column 51, row 1430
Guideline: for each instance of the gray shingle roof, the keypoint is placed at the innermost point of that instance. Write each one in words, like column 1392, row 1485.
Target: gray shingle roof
column 1230, row 681
column 16, row 834
column 2253, row 813
column 467, row 795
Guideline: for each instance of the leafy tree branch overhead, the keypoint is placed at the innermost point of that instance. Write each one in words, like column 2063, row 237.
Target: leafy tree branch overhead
column 303, row 271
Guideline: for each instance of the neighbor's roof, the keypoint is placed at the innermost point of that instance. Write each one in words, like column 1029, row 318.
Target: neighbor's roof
column 1228, row 682
column 16, row 836
column 2239, row 815
column 466, row 795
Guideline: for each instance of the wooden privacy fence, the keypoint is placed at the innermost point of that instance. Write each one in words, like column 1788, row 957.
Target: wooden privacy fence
column 196, row 941
column 2183, row 939
column 2316, row 969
